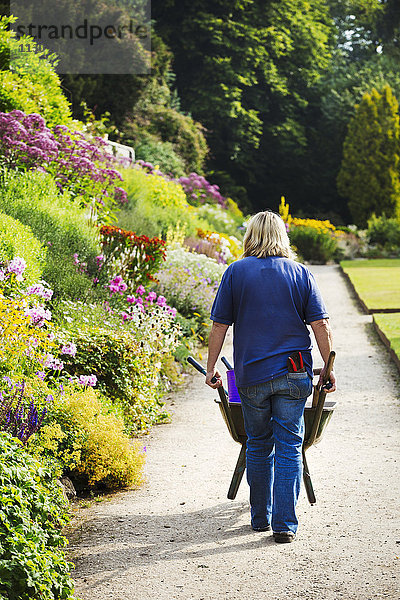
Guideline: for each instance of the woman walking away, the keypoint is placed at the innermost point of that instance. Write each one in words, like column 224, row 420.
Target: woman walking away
column 270, row 299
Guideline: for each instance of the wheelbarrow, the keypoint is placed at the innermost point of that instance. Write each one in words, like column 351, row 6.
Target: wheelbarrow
column 317, row 414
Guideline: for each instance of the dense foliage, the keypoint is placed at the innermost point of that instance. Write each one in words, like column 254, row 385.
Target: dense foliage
column 32, row 512
column 62, row 227
column 370, row 172
column 32, row 85
column 17, row 239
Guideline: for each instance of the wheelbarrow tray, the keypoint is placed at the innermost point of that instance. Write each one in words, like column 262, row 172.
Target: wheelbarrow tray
column 309, row 413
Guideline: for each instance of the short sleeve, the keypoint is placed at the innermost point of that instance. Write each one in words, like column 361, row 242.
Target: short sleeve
column 315, row 308
column 222, row 308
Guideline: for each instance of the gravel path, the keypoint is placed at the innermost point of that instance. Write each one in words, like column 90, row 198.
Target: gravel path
column 179, row 536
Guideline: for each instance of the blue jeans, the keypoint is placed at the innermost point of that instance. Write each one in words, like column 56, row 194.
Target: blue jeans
column 274, row 422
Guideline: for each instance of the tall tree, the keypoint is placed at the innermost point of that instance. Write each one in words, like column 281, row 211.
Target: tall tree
column 369, row 176
column 245, row 69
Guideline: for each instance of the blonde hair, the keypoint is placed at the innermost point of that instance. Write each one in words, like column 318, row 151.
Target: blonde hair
column 266, row 235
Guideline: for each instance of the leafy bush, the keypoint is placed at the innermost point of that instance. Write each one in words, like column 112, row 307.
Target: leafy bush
column 385, row 233
column 313, row 239
column 32, row 85
column 32, row 513
column 162, row 154
column 218, row 219
column 167, row 124
column 127, row 363
column 17, row 239
column 161, row 190
column 88, row 441
column 190, row 293
column 34, row 199
column 185, row 133
column 312, row 244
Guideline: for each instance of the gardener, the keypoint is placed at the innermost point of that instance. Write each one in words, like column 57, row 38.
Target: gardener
column 270, row 299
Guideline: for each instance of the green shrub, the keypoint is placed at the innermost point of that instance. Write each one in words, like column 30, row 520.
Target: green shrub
column 33, row 198
column 32, row 512
column 384, row 232
column 155, row 121
column 32, row 85
column 161, row 154
column 17, row 239
column 222, row 220
column 185, row 133
column 313, row 246
column 87, row 439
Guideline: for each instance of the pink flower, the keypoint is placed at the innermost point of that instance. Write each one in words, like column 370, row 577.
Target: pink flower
column 69, row 349
column 140, row 290
column 89, row 380
column 38, row 289
column 53, row 363
column 17, row 265
column 161, row 301
column 151, row 297
column 39, row 315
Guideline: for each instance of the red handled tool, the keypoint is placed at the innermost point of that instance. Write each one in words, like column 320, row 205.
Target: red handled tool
column 295, row 363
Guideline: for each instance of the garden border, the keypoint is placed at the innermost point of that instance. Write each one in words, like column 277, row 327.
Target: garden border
column 364, row 307
column 386, row 342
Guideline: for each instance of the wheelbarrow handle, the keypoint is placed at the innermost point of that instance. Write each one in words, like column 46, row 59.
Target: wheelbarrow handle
column 199, row 367
column 222, row 395
column 226, row 363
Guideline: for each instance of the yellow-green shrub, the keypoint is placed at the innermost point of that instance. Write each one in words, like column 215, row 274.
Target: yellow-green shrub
column 89, row 442
column 155, row 205
column 17, row 239
column 22, row 348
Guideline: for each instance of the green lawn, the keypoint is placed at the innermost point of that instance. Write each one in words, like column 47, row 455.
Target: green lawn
column 390, row 325
column 377, row 281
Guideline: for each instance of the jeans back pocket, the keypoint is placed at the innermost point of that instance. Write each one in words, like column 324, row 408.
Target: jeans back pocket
column 300, row 385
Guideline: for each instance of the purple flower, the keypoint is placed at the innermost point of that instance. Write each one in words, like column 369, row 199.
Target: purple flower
column 38, row 289
column 117, row 285
column 89, row 380
column 41, row 375
column 161, row 301
column 69, row 349
column 17, row 266
column 39, row 315
column 53, row 363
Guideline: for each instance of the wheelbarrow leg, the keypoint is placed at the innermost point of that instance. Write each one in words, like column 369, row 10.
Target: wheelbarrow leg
column 238, row 474
column 307, row 481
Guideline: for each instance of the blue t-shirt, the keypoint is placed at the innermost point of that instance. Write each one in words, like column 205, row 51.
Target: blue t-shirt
column 269, row 301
